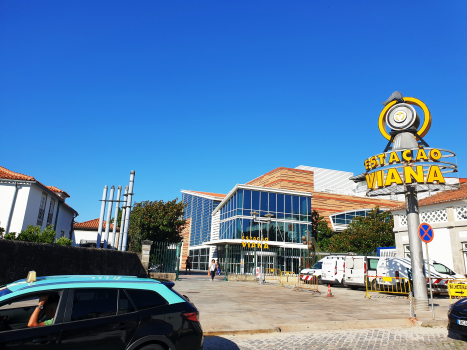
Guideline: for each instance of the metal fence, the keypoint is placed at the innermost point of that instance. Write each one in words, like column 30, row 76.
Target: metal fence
column 163, row 257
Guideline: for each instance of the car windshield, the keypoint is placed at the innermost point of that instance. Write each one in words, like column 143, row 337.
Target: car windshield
column 318, row 265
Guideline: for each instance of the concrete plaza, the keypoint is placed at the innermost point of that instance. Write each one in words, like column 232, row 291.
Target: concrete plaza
column 247, row 307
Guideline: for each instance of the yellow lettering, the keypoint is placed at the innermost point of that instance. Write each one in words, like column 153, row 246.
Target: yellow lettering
column 421, row 154
column 258, row 245
column 266, row 246
column 407, row 155
column 381, row 157
column 434, row 174
column 373, row 162
column 266, row 239
column 370, row 180
column 378, row 182
column 393, row 177
column 394, row 158
column 410, row 174
column 366, row 164
column 435, row 154
column 244, row 244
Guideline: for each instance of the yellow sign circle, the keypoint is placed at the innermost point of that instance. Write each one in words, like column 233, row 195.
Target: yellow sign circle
column 411, row 101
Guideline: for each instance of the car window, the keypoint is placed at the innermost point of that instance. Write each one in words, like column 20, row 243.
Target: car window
column 124, row 304
column 145, row 299
column 318, row 265
column 373, row 264
column 442, row 269
column 93, row 303
column 16, row 313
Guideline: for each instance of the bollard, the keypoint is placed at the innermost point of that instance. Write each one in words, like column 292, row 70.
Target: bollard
column 226, row 258
column 178, row 261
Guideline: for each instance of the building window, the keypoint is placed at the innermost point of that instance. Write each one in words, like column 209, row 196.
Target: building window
column 40, row 217
column 461, row 213
column 50, row 215
column 200, row 259
column 62, row 234
column 406, row 251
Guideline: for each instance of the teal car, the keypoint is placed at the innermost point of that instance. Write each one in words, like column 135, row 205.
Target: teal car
column 97, row 312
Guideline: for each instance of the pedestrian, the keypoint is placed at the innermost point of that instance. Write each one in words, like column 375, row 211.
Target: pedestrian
column 218, row 265
column 188, row 266
column 213, row 269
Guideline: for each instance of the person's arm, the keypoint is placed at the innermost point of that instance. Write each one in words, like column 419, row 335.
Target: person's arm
column 35, row 315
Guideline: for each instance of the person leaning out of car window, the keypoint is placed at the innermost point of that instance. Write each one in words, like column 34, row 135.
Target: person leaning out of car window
column 49, row 305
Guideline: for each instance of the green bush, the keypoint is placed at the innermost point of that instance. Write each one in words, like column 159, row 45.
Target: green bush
column 11, row 236
column 2, row 231
column 47, row 236
column 31, row 234
column 64, row 241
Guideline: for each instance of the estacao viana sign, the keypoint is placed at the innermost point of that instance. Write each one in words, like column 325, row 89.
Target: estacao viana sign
column 410, row 161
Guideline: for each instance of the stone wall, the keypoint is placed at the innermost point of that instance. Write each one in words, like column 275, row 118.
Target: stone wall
column 18, row 258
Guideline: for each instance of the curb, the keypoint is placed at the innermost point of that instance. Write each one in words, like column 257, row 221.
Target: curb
column 330, row 326
column 242, row 332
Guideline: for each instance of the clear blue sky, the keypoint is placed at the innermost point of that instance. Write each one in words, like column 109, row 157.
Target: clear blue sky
column 203, row 95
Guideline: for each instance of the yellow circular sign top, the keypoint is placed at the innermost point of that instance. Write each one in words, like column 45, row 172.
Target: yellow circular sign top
column 401, row 116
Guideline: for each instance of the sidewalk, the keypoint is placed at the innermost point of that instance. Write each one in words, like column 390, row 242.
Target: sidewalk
column 247, row 307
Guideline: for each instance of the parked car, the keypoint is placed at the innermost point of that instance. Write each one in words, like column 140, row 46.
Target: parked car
column 333, row 269
column 457, row 318
column 315, row 270
column 97, row 312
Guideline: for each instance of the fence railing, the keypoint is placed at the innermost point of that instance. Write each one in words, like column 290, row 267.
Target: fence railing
column 163, row 257
column 308, row 282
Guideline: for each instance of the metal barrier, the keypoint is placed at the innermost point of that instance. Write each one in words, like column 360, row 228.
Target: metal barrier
column 289, row 278
column 457, row 289
column 391, row 285
column 307, row 282
column 272, row 275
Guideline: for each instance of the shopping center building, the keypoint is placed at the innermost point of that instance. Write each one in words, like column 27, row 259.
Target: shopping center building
column 268, row 217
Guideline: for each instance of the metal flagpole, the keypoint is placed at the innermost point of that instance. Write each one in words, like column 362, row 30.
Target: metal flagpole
column 122, row 221
column 101, row 218
column 109, row 216
column 128, row 210
column 431, row 285
column 117, row 204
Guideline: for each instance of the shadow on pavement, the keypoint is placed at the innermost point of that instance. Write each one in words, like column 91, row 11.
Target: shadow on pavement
column 217, row 343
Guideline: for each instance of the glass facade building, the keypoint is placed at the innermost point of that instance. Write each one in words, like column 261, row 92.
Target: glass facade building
column 340, row 221
column 199, row 209
column 291, row 216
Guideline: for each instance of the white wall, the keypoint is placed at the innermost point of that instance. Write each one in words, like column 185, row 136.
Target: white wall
column 6, row 197
column 78, row 235
column 65, row 219
column 439, row 248
column 33, row 204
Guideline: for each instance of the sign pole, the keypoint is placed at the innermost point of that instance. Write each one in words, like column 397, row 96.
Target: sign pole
column 431, row 285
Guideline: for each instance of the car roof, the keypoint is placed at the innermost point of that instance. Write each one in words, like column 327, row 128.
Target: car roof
column 70, row 281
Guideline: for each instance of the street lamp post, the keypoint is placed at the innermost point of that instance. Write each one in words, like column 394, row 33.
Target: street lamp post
column 257, row 218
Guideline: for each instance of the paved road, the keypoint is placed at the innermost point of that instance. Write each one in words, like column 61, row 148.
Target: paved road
column 394, row 339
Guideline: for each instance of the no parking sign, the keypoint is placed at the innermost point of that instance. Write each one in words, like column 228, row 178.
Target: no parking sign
column 425, row 231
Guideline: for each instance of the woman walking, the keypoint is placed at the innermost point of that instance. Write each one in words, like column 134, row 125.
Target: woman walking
column 212, row 269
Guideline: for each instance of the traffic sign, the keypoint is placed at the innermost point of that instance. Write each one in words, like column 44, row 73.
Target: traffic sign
column 426, row 233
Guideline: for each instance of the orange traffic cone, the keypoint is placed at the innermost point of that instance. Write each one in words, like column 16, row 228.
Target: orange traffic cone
column 329, row 291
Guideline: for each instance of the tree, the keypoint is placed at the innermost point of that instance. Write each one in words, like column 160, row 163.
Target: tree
column 64, row 241
column 2, row 231
column 157, row 221
column 320, row 230
column 365, row 234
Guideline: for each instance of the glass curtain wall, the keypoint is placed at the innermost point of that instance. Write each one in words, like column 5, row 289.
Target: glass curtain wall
column 292, row 216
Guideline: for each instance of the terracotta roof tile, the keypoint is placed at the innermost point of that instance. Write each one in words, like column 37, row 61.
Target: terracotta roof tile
column 220, row 195
column 11, row 175
column 57, row 190
column 91, row 225
column 442, row 197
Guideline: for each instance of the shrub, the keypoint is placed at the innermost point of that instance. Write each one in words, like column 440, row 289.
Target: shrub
column 11, row 236
column 64, row 241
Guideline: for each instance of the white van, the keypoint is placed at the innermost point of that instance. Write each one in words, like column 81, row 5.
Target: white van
column 402, row 267
column 315, row 270
column 357, row 268
column 333, row 269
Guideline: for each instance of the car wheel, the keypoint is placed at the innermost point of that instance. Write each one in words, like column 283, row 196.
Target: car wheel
column 152, row 347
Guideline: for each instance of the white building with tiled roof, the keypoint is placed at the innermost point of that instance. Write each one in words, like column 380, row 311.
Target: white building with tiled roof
column 85, row 233
column 25, row 201
column 446, row 212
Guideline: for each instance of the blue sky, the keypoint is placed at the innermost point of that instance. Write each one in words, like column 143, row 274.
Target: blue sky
column 203, row 95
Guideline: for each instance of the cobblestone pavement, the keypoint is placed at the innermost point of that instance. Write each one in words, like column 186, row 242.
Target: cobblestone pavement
column 407, row 338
